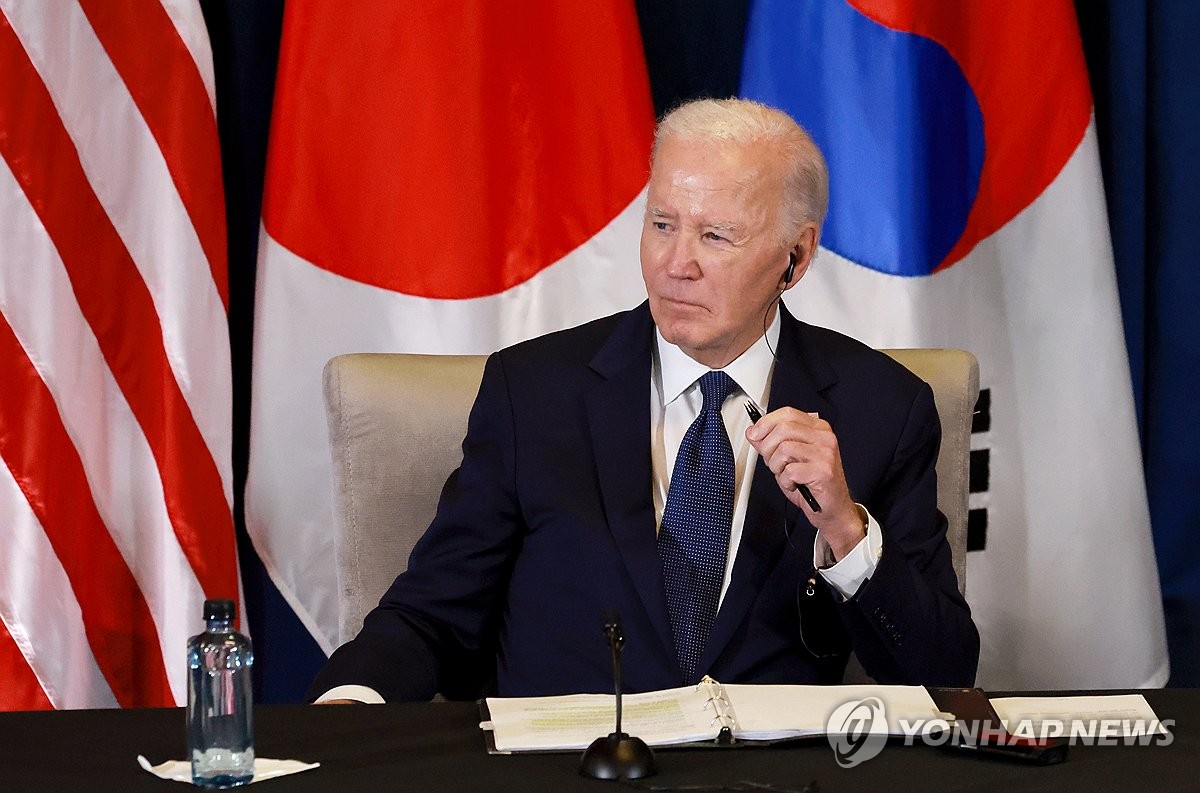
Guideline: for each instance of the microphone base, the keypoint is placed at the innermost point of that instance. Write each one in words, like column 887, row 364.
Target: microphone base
column 618, row 756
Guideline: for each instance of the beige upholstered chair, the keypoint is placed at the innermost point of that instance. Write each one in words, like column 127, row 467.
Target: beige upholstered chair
column 954, row 377
column 396, row 423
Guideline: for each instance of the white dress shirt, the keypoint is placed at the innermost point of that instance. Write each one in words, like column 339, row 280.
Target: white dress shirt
column 675, row 402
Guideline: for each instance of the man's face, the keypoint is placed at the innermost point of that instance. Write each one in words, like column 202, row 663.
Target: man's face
column 711, row 252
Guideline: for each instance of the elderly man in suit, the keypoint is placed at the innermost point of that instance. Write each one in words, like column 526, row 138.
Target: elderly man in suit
column 615, row 467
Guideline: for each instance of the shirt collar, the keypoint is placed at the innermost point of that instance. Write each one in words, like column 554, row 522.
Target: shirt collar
column 751, row 370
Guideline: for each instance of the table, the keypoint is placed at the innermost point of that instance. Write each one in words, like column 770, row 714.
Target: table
column 438, row 746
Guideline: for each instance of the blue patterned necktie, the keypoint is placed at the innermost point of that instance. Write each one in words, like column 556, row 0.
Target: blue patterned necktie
column 693, row 541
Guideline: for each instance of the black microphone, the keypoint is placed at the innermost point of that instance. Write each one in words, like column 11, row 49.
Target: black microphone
column 616, row 641
column 617, row 755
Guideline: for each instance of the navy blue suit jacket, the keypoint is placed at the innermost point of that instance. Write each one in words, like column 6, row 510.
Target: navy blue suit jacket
column 549, row 523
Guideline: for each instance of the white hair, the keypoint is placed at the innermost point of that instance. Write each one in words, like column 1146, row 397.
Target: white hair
column 742, row 121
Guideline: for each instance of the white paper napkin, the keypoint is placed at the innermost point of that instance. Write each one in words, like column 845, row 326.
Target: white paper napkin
column 264, row 768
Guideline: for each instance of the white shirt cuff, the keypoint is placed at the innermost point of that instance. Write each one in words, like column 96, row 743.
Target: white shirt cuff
column 364, row 694
column 848, row 575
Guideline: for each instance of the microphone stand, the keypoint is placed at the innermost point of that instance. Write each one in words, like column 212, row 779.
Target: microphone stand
column 617, row 755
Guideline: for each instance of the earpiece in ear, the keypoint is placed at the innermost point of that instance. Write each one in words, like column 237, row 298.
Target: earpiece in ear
column 791, row 268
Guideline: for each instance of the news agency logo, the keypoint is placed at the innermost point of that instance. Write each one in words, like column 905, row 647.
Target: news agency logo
column 857, row 731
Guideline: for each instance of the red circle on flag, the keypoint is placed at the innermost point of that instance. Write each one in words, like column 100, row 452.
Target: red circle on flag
column 454, row 151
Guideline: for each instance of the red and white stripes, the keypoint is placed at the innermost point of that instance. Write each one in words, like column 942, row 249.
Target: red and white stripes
column 115, row 493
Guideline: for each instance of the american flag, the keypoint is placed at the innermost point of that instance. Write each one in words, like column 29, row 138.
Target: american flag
column 116, row 483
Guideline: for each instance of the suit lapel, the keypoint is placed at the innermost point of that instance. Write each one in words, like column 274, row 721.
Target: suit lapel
column 800, row 378
column 618, row 410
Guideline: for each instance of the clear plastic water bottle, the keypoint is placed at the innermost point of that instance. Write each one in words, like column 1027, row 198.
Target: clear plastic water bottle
column 220, row 709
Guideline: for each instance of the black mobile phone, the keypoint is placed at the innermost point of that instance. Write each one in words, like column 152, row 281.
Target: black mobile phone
column 1036, row 751
column 978, row 729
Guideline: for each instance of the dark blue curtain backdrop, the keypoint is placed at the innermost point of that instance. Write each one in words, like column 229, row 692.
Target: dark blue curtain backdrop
column 1144, row 60
column 1146, row 80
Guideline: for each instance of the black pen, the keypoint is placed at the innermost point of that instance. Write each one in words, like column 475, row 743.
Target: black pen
column 754, row 415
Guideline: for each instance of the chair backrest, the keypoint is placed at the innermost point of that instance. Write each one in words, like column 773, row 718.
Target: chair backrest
column 396, row 424
column 954, row 377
